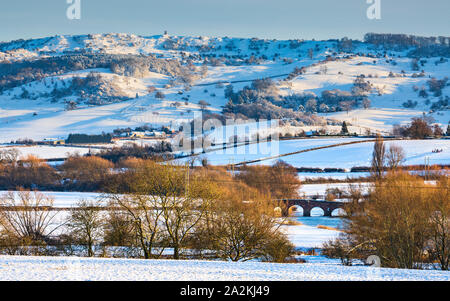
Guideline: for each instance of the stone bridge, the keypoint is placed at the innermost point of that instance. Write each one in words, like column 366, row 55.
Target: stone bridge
column 308, row 204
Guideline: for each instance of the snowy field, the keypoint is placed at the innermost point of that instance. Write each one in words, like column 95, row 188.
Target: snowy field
column 349, row 156
column 97, row 269
column 68, row 199
column 307, row 234
column 50, row 152
column 310, row 190
column 345, row 157
column 333, row 175
column 307, row 237
column 267, row 149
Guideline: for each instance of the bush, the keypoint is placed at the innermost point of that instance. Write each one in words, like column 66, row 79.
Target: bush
column 436, row 85
column 279, row 181
column 277, row 249
column 339, row 248
column 29, row 173
column 240, row 232
column 410, row 104
column 86, row 173
column 419, row 129
column 160, row 95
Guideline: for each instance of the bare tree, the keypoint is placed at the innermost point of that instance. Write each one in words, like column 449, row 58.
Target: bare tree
column 395, row 156
column 341, row 248
column 160, row 95
column 145, row 218
column 419, row 128
column 9, row 155
column 311, row 105
column 183, row 212
column 119, row 229
column 241, row 231
column 165, row 205
column 346, row 105
column 393, row 222
column 366, row 103
column 86, row 225
column 203, row 105
column 440, row 225
column 323, row 69
column 26, row 216
column 142, row 208
column 437, row 131
column 378, row 157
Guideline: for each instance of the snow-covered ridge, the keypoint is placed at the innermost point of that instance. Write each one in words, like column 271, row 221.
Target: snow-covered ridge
column 121, row 43
column 129, row 43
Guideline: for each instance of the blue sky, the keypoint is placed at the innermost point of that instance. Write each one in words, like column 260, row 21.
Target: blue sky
column 281, row 19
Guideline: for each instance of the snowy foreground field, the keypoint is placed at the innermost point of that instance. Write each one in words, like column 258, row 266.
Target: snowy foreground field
column 86, row 269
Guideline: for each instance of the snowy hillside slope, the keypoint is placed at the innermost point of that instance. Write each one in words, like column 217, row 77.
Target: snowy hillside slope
column 55, row 106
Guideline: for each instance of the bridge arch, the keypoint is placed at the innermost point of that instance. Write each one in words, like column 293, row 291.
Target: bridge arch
column 295, row 210
column 317, row 211
column 278, row 211
column 338, row 212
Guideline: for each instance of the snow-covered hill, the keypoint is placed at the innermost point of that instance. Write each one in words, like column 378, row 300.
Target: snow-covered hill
column 54, row 86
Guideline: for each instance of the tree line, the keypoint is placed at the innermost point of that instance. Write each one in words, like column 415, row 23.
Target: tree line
column 77, row 173
column 156, row 211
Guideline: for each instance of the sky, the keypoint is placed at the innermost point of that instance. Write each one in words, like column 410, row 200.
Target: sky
column 280, row 19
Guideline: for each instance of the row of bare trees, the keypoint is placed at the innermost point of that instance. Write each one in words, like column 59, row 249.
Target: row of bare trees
column 151, row 210
column 80, row 173
column 77, row 173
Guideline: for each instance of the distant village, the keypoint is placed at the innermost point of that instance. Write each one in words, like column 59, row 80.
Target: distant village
column 117, row 135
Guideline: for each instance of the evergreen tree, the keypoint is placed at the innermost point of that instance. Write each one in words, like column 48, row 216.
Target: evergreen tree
column 344, row 129
column 448, row 129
